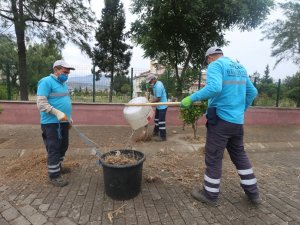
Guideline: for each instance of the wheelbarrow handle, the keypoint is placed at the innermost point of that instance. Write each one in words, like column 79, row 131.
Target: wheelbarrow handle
column 159, row 103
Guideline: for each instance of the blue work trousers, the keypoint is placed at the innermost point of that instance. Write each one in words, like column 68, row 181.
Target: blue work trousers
column 220, row 135
column 160, row 122
column 56, row 140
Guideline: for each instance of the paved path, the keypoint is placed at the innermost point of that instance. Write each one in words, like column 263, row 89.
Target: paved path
column 274, row 151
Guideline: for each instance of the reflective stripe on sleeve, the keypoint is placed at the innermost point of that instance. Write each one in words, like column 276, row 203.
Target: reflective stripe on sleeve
column 58, row 94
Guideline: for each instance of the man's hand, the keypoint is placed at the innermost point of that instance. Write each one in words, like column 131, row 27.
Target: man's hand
column 70, row 123
column 186, row 102
column 59, row 114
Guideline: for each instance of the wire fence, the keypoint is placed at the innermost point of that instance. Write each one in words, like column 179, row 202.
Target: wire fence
column 85, row 86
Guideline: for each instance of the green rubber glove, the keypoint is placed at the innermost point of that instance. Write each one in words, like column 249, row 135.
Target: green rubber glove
column 186, row 102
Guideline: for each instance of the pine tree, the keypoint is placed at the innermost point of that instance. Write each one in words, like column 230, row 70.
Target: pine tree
column 111, row 54
column 267, row 78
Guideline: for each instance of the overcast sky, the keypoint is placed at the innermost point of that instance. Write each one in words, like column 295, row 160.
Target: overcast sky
column 246, row 47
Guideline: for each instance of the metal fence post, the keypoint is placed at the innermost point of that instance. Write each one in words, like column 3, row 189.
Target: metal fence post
column 254, row 83
column 278, row 93
column 298, row 101
column 131, row 84
column 8, row 81
column 94, row 83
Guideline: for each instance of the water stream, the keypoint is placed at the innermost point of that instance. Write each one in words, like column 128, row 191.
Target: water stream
column 129, row 144
column 129, row 141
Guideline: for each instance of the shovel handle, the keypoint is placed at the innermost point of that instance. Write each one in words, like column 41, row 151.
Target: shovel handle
column 158, row 103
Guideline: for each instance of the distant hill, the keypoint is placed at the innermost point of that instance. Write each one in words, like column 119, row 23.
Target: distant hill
column 86, row 82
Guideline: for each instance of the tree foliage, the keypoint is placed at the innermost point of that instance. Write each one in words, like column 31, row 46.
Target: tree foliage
column 111, row 54
column 8, row 50
column 8, row 59
column 40, row 58
column 61, row 21
column 122, row 84
column 264, row 84
column 170, row 82
column 179, row 32
column 285, row 33
column 266, row 77
column 292, row 84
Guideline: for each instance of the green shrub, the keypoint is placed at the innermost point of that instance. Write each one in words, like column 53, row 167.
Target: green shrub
column 3, row 92
column 191, row 115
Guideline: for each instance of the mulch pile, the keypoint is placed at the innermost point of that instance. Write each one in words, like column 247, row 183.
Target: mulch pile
column 121, row 159
column 33, row 168
column 172, row 167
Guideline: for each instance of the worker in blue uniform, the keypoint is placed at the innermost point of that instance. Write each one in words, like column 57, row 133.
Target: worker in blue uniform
column 54, row 104
column 229, row 92
column 159, row 95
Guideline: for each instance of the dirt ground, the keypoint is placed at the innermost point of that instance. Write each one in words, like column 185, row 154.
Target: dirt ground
column 23, row 156
column 15, row 138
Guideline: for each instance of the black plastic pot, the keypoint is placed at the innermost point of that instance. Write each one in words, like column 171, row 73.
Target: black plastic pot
column 123, row 182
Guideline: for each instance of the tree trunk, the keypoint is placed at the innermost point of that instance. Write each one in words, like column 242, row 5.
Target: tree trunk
column 179, row 84
column 187, row 61
column 20, row 34
column 298, row 102
column 178, row 79
column 22, row 65
column 194, row 130
column 111, row 85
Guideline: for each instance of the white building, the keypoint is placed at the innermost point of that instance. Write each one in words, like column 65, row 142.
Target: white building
column 159, row 70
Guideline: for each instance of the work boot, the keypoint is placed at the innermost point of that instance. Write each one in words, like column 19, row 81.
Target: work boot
column 64, row 170
column 255, row 201
column 154, row 134
column 58, row 181
column 158, row 138
column 199, row 195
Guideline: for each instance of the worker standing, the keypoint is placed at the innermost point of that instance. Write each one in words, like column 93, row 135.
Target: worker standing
column 160, row 95
column 54, row 104
column 229, row 92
